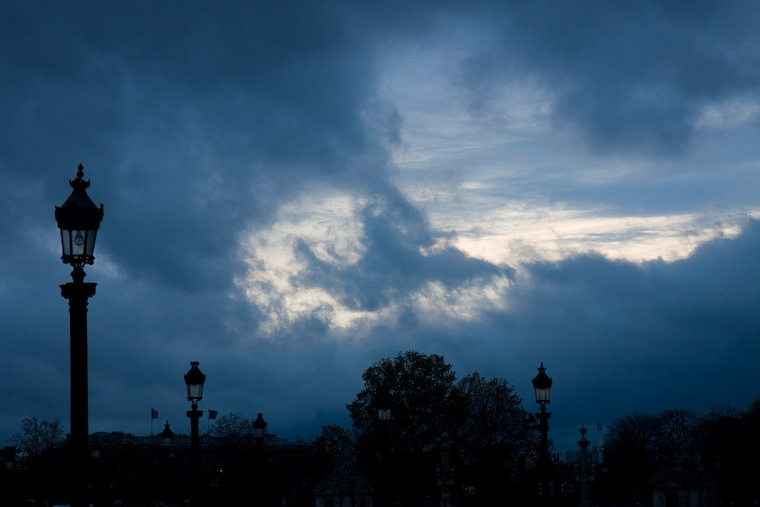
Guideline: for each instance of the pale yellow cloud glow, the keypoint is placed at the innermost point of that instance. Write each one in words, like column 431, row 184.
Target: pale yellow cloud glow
column 515, row 234
column 329, row 227
column 512, row 234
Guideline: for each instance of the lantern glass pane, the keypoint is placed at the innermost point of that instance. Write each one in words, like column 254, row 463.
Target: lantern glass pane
column 90, row 242
column 384, row 414
column 194, row 391
column 542, row 395
column 66, row 242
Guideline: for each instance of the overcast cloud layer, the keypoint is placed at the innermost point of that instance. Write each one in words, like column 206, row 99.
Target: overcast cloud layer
column 295, row 190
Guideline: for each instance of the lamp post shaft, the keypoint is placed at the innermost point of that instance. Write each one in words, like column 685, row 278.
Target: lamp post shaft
column 544, row 463
column 195, row 457
column 78, row 292
column 585, row 477
column 194, row 416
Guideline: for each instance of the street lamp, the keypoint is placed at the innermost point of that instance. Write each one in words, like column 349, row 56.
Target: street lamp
column 167, row 435
column 194, row 380
column 542, row 386
column 78, row 219
column 259, row 425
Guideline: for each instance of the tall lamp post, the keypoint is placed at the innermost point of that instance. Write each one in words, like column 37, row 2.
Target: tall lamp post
column 78, row 219
column 542, row 385
column 194, row 380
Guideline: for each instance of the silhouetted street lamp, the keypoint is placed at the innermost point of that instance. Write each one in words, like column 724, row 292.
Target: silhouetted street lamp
column 167, row 435
column 194, row 381
column 542, row 385
column 259, row 425
column 78, row 219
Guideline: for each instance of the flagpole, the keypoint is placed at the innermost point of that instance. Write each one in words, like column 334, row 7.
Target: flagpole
column 153, row 415
column 211, row 415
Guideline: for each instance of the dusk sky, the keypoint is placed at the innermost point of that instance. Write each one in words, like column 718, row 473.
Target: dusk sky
column 294, row 190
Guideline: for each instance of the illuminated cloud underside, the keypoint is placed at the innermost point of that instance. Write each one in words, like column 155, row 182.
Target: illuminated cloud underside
column 514, row 234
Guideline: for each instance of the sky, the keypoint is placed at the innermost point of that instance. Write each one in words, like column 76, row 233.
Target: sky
column 293, row 191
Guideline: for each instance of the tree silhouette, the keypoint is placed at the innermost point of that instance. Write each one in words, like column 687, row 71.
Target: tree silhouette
column 38, row 436
column 483, row 420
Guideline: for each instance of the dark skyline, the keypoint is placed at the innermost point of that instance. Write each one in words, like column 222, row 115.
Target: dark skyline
column 293, row 191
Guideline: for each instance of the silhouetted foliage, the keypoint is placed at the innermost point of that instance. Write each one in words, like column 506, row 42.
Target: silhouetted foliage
column 728, row 446
column 486, row 412
column 330, row 446
column 333, row 441
column 677, row 442
column 631, row 452
column 395, row 454
column 482, row 418
column 417, row 387
column 233, row 428
column 489, row 431
column 720, row 444
column 38, row 436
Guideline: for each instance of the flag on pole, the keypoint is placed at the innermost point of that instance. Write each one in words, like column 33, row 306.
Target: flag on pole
column 153, row 413
column 212, row 414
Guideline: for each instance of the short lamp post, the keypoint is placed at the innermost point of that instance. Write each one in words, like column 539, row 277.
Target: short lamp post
column 194, row 380
column 79, row 220
column 542, row 386
column 259, row 431
column 445, row 473
column 384, row 414
column 585, row 477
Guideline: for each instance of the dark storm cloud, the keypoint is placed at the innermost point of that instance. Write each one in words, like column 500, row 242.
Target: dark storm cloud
column 400, row 258
column 191, row 122
column 195, row 122
column 630, row 76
